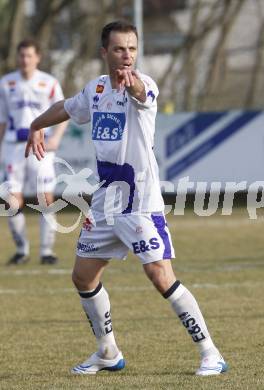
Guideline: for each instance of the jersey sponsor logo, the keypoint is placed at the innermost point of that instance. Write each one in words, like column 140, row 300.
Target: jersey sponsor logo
column 11, row 85
column 22, row 134
column 42, row 84
column 108, row 126
column 28, row 103
column 122, row 103
column 86, row 247
column 99, row 88
column 145, row 246
column 87, row 224
column 151, row 94
column 95, row 104
column 52, row 92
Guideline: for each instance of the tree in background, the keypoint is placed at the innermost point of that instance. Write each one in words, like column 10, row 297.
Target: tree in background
column 193, row 70
column 59, row 26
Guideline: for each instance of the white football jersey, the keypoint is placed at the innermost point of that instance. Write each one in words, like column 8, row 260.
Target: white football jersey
column 123, row 135
column 21, row 101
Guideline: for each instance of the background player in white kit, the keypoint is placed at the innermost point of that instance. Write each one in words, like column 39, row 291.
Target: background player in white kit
column 122, row 108
column 25, row 94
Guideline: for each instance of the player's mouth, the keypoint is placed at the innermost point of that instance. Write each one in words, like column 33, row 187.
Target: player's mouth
column 126, row 66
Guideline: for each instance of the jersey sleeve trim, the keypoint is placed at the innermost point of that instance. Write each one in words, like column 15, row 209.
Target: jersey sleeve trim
column 77, row 107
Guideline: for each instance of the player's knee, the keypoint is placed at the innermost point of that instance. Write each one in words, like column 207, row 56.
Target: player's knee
column 159, row 279
column 161, row 275
column 15, row 202
column 78, row 280
column 83, row 281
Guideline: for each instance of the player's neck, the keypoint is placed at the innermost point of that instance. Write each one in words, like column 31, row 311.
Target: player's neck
column 27, row 75
column 113, row 81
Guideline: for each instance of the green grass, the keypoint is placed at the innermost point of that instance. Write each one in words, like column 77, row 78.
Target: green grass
column 43, row 331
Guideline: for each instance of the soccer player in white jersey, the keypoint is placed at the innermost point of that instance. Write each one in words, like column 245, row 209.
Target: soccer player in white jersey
column 122, row 108
column 24, row 95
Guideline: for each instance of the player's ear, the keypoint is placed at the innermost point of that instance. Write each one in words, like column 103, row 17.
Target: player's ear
column 103, row 52
column 37, row 56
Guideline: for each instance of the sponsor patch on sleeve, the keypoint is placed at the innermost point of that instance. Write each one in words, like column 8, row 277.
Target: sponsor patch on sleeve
column 99, row 88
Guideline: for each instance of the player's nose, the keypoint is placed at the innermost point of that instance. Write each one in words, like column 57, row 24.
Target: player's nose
column 126, row 53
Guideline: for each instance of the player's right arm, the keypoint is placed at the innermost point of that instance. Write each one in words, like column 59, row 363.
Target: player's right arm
column 54, row 115
column 2, row 132
column 3, row 112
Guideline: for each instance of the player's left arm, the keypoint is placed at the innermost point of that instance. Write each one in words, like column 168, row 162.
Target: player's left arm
column 3, row 112
column 2, row 132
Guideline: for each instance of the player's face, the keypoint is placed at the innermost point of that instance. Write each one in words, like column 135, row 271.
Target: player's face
column 121, row 52
column 28, row 60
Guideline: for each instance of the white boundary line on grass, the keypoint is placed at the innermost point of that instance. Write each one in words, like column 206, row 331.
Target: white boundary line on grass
column 9, row 291
column 64, row 271
column 23, row 272
column 214, row 222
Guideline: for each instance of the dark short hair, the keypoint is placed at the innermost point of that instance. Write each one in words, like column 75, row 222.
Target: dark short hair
column 119, row 26
column 28, row 43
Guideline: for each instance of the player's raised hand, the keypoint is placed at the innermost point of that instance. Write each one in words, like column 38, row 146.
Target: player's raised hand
column 125, row 78
column 36, row 143
column 130, row 80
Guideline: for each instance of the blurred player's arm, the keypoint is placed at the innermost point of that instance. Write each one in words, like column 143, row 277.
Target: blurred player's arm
column 53, row 116
column 54, row 141
column 2, row 132
column 3, row 113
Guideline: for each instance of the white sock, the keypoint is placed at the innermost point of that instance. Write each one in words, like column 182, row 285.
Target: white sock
column 47, row 234
column 186, row 307
column 96, row 306
column 17, row 225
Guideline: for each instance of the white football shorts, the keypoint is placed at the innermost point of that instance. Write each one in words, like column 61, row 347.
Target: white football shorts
column 40, row 175
column 146, row 235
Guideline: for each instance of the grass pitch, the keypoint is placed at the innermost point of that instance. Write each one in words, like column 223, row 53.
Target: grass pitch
column 43, row 331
